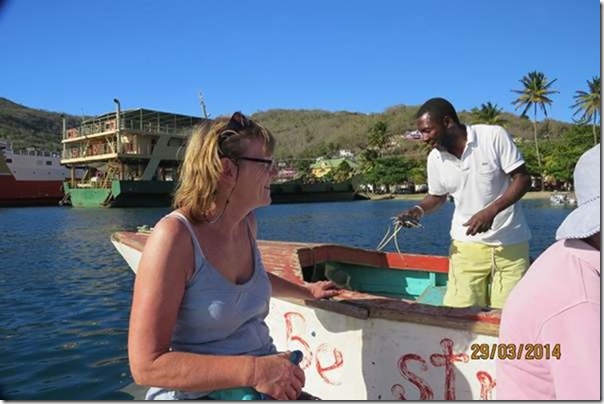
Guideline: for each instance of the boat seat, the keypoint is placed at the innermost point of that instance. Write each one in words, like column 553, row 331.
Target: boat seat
column 433, row 295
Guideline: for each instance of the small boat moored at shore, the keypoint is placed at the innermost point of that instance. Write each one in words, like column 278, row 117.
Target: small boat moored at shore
column 386, row 337
column 562, row 199
column 298, row 192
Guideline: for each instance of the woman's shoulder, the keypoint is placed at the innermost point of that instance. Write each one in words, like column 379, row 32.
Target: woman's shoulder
column 171, row 227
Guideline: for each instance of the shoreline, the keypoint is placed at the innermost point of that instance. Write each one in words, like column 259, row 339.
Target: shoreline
column 416, row 197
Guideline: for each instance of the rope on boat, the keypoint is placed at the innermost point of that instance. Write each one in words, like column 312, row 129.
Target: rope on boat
column 398, row 225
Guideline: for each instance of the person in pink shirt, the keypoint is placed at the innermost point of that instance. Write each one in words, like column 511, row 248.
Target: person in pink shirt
column 550, row 324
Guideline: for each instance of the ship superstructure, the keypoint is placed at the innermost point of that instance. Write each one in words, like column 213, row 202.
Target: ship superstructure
column 132, row 157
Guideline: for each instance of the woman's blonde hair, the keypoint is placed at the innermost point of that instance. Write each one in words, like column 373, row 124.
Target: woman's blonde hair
column 201, row 168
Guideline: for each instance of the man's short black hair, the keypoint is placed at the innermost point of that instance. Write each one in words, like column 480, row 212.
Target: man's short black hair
column 438, row 108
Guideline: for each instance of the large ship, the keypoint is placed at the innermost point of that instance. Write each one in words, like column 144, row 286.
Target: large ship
column 31, row 177
column 132, row 157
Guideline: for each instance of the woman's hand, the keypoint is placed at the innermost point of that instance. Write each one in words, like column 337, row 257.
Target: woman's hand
column 306, row 291
column 277, row 377
column 323, row 289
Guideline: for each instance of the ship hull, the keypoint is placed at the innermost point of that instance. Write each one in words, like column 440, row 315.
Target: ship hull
column 122, row 194
column 29, row 193
column 295, row 192
column 159, row 193
column 279, row 198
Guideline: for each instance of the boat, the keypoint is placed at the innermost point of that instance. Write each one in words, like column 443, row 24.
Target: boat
column 31, row 177
column 300, row 192
column 132, row 157
column 562, row 199
column 386, row 337
column 290, row 186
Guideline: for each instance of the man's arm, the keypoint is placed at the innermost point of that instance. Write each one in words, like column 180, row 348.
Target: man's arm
column 429, row 204
column 521, row 183
column 483, row 220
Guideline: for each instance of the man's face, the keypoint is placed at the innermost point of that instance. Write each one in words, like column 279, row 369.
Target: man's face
column 433, row 132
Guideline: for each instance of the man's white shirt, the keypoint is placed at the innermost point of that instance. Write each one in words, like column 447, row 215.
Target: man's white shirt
column 475, row 180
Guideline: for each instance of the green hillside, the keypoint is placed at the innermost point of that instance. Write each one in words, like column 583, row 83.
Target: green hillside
column 27, row 127
column 300, row 133
column 312, row 133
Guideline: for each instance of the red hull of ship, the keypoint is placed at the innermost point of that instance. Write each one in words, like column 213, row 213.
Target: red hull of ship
column 27, row 193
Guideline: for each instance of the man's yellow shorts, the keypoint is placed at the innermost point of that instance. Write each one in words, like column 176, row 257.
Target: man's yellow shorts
column 483, row 275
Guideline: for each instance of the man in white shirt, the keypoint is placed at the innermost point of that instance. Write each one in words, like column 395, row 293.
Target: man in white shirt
column 484, row 172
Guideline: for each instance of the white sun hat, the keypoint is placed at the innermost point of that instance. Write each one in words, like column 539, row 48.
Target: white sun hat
column 584, row 221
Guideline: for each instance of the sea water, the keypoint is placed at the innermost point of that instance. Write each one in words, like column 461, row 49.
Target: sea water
column 65, row 292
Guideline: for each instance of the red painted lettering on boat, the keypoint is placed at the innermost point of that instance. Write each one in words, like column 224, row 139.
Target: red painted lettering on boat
column 327, row 358
column 326, row 351
column 487, row 384
column 425, row 391
column 295, row 324
column 447, row 360
column 398, row 392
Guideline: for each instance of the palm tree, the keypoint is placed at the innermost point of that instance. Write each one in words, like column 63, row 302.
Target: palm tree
column 535, row 93
column 378, row 138
column 489, row 114
column 588, row 103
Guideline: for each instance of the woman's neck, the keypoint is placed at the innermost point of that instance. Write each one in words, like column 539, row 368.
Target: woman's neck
column 226, row 219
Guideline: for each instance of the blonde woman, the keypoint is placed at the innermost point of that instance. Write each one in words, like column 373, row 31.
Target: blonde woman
column 201, row 293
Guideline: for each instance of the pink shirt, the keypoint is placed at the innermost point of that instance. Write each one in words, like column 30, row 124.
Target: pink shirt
column 556, row 302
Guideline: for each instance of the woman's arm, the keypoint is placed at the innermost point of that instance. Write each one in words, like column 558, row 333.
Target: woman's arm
column 315, row 290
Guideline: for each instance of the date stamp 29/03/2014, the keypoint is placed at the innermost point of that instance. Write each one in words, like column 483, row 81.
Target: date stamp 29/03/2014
column 515, row 351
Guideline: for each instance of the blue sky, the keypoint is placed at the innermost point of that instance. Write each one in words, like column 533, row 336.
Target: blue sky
column 75, row 56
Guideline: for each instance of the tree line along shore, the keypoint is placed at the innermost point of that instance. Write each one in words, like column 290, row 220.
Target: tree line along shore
column 417, row 197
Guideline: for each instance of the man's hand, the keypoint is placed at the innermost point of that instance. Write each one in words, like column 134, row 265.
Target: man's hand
column 481, row 221
column 410, row 217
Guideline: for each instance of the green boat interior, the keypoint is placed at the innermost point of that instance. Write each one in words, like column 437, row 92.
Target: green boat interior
column 420, row 286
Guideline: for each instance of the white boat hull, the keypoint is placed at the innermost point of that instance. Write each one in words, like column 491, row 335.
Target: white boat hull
column 348, row 358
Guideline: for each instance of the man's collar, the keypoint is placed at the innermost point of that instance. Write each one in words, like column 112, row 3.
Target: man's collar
column 470, row 135
column 470, row 141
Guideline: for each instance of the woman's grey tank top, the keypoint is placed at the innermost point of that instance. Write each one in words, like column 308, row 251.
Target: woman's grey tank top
column 219, row 317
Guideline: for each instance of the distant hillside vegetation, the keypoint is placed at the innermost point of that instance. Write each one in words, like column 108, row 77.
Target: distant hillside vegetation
column 27, row 127
column 312, row 133
column 299, row 133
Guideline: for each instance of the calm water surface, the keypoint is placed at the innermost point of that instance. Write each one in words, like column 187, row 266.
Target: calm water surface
column 65, row 292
